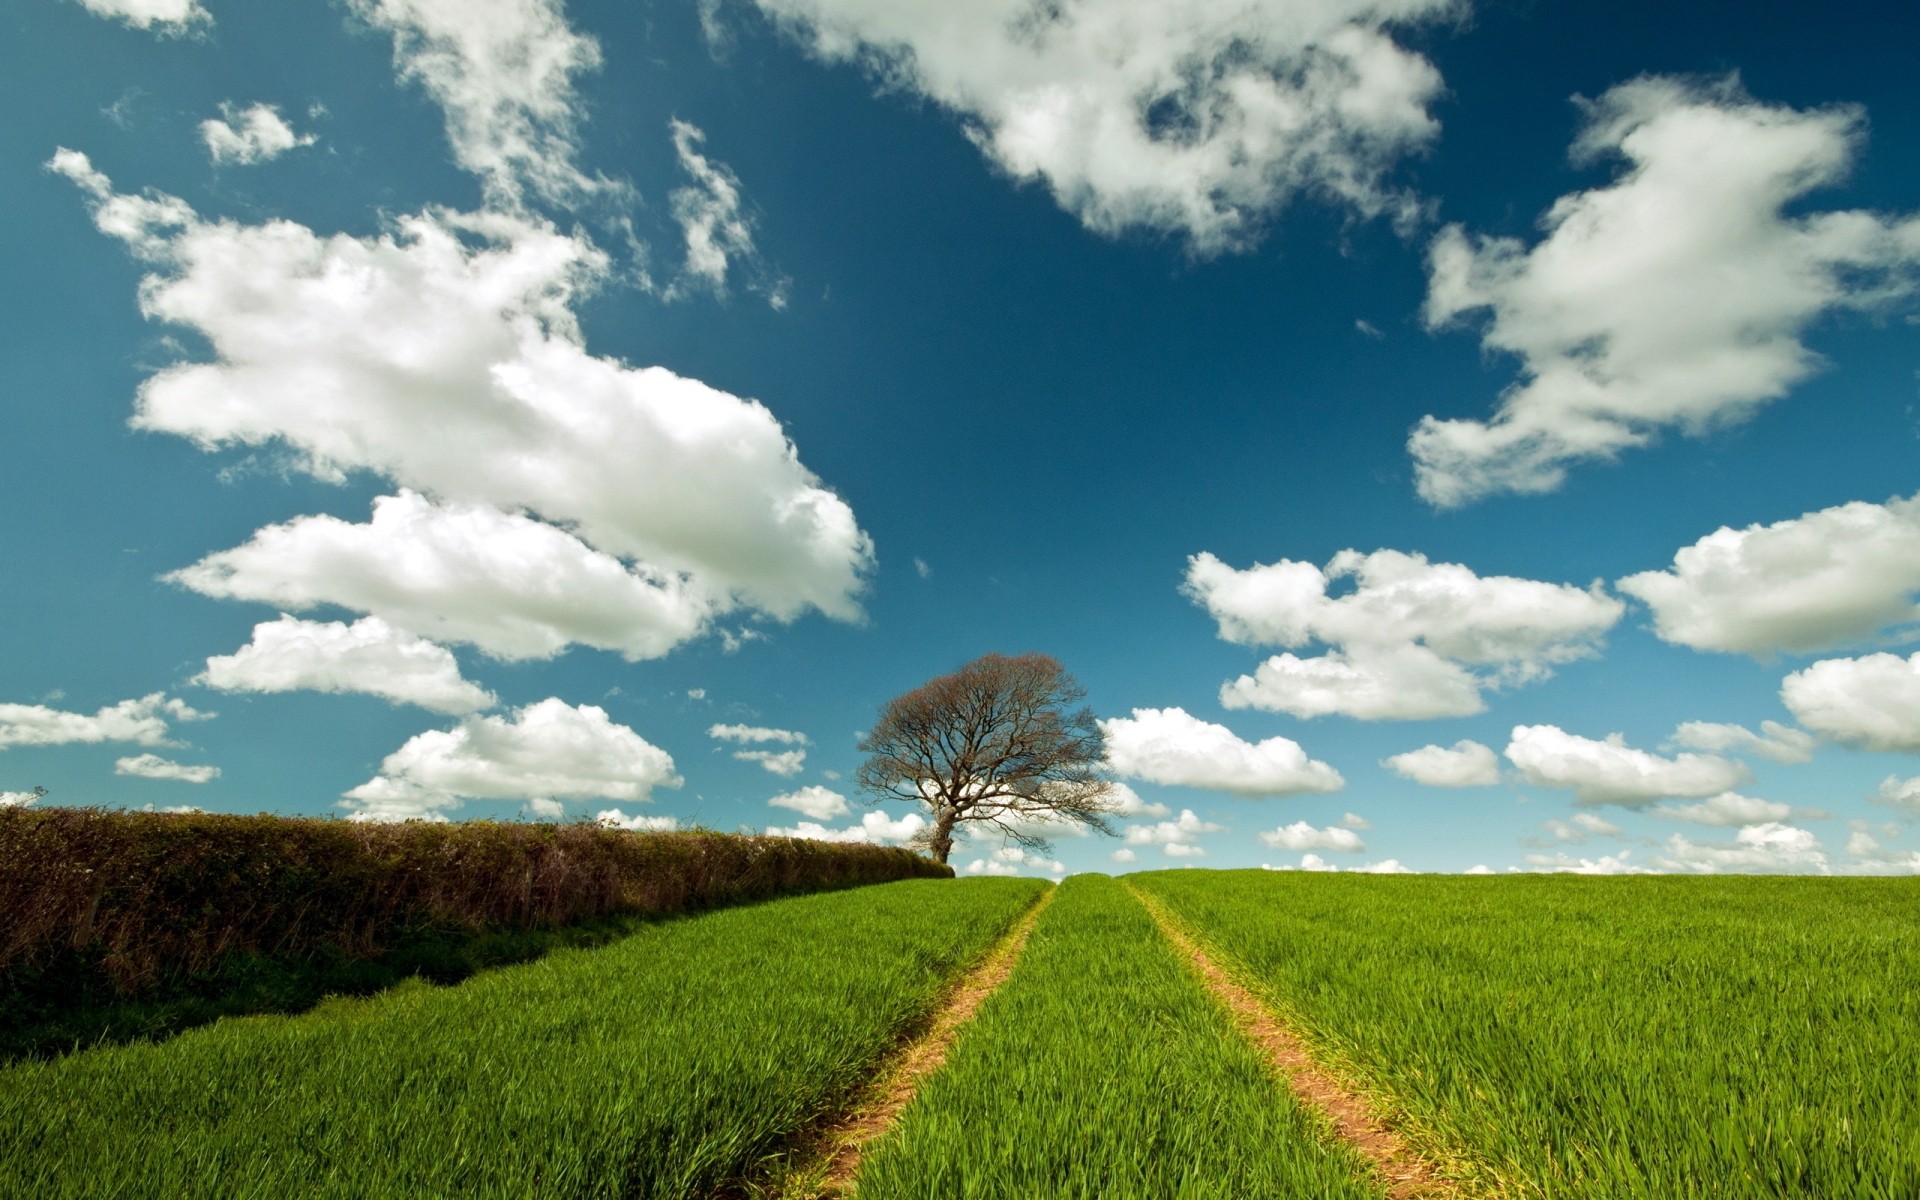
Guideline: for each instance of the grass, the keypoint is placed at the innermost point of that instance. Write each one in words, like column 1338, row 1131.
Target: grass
column 1102, row 1069
column 662, row 1065
column 1652, row 1039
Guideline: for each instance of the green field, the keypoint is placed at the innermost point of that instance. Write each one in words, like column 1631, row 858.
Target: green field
column 1551, row 1037
column 1662, row 1039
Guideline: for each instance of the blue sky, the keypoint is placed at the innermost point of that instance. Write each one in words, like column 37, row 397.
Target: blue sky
column 400, row 394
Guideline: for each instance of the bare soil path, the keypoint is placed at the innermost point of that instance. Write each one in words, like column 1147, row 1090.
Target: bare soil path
column 831, row 1158
column 1406, row 1175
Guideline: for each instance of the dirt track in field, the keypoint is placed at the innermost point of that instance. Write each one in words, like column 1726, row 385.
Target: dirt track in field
column 1406, row 1175
column 836, row 1160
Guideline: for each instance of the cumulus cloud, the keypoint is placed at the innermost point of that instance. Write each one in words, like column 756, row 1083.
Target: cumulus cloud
column 172, row 17
column 1198, row 120
column 779, row 762
column 1900, row 793
column 1777, row 742
column 1008, row 860
column 1768, row 847
column 1411, row 640
column 1871, row 858
column 1466, row 764
column 755, row 733
column 1673, row 297
column 822, row 804
column 1302, row 836
column 614, row 818
column 143, row 722
column 152, row 766
column 546, row 751
column 257, row 133
column 1815, row 582
column 1313, row 862
column 1123, row 801
column 1176, row 837
column 1871, row 702
column 1167, row 746
column 1122, row 855
column 367, row 656
column 452, row 365
column 1563, row 863
column 1728, row 809
column 875, row 827
column 24, row 799
column 503, row 72
column 1612, row 772
column 714, row 225
column 1580, row 828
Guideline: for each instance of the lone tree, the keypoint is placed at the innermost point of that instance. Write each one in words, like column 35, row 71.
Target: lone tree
column 993, row 742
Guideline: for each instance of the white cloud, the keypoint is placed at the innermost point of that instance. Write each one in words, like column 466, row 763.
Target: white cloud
column 822, row 804
column 368, row 656
column 1561, row 862
column 780, row 762
column 142, row 722
column 1900, row 793
column 254, row 134
column 1611, row 772
column 1313, row 862
column 1728, row 809
column 1871, row 702
column 1019, row 857
column 152, row 766
column 23, row 799
column 1302, row 836
column 1122, row 855
column 173, row 17
column 1777, row 742
column 1411, row 640
column 1355, row 821
column 1389, row 866
column 1816, row 582
column 1467, row 764
column 1674, row 297
column 515, row 587
column 1123, row 801
column 1580, row 828
column 714, row 225
column 614, row 818
column 1478, row 869
column 875, row 827
column 696, row 693
column 503, row 72
column 1167, row 746
column 1771, row 846
column 987, row 866
column 755, row 733
column 444, row 355
column 1199, row 120
column 1871, row 858
column 1175, row 837
column 550, row 751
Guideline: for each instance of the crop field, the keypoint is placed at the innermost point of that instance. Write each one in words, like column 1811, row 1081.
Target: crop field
column 1513, row 1038
column 1102, row 1069
column 1662, row 1039
column 662, row 1065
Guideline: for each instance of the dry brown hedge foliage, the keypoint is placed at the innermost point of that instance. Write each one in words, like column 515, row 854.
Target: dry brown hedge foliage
column 153, row 895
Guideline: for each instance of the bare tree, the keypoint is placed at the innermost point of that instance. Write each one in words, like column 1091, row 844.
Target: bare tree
column 993, row 742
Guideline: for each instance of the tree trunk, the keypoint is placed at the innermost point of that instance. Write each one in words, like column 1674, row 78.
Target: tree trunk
column 941, row 843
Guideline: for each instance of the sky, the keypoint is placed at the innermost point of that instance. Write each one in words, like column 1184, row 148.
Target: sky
column 1439, row 435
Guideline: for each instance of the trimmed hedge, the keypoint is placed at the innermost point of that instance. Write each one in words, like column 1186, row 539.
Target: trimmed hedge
column 142, row 899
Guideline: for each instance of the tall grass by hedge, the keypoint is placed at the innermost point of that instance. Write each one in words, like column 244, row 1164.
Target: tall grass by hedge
column 137, row 899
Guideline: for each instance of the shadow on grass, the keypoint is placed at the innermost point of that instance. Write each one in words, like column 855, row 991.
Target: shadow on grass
column 67, row 1006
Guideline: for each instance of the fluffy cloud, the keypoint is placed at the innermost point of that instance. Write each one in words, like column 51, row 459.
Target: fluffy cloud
column 503, row 72
column 1818, row 581
column 1777, row 742
column 142, row 722
column 1122, row 855
column 1302, row 836
column 250, row 135
column 1198, row 119
column 24, row 799
column 1757, row 848
column 1582, row 827
column 162, row 16
column 1413, row 639
column 755, row 733
column 444, row 356
column 1313, row 862
column 1675, row 297
column 1901, row 793
column 614, row 818
column 152, row 766
column 1871, row 858
column 546, row 751
column 1175, row 837
column 822, row 804
column 786, row 763
column 1871, row 702
column 515, row 587
column 1008, row 860
column 1611, row 772
column 1167, row 746
column 1728, row 809
column 368, row 656
column 875, row 827
column 1466, row 764
column 718, row 234
column 1561, row 862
